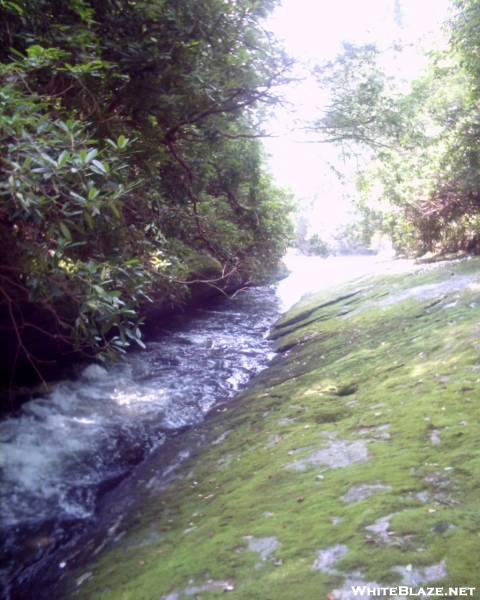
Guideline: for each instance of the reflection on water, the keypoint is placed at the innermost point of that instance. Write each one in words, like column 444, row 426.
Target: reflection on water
column 310, row 274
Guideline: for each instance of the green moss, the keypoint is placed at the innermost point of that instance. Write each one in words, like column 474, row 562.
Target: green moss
column 203, row 265
column 360, row 367
column 193, row 263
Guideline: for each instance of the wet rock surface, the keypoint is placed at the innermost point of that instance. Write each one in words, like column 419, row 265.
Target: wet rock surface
column 314, row 491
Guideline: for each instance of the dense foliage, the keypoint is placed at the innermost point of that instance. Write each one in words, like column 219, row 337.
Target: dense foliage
column 131, row 165
column 420, row 182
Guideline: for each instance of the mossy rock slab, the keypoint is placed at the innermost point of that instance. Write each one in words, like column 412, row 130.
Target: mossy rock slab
column 352, row 460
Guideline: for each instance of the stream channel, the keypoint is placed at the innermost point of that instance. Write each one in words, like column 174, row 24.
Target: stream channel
column 60, row 454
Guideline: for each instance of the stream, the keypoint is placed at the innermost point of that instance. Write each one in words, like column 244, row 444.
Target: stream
column 61, row 453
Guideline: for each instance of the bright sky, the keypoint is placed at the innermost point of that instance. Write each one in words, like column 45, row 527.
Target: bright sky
column 312, row 32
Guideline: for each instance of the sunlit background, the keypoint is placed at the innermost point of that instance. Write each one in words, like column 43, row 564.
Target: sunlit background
column 312, row 32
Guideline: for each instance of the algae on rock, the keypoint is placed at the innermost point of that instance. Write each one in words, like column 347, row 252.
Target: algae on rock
column 353, row 458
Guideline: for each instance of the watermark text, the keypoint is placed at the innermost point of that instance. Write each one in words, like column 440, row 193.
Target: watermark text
column 415, row 592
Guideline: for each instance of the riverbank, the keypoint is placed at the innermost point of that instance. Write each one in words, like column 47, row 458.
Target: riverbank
column 63, row 452
column 351, row 460
column 19, row 381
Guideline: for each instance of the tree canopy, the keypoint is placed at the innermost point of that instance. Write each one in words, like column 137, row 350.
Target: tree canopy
column 421, row 184
column 131, row 164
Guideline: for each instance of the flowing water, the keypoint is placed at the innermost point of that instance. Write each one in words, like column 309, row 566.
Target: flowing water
column 61, row 452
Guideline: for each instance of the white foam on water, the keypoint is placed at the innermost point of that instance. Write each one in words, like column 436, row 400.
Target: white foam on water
column 59, row 448
column 56, row 451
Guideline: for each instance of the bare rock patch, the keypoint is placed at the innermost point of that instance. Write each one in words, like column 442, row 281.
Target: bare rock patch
column 345, row 592
column 358, row 493
column 210, row 586
column 338, row 454
column 376, row 432
column 418, row 577
column 328, row 558
column 264, row 547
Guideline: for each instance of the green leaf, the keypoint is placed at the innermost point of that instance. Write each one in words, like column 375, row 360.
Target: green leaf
column 91, row 155
column 48, row 158
column 63, row 158
column 63, row 126
column 122, row 142
column 99, row 168
column 88, row 220
column 35, row 51
column 75, row 244
column 79, row 198
column 115, row 210
column 140, row 343
column 12, row 7
column 136, row 337
column 93, row 193
column 65, row 230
